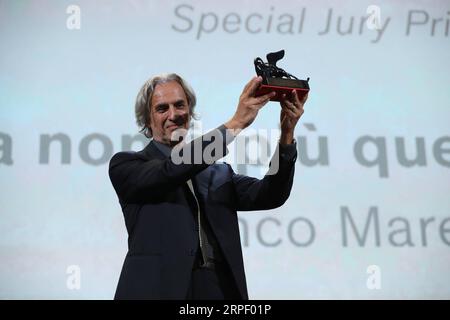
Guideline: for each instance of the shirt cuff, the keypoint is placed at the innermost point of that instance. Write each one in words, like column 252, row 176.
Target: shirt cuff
column 227, row 134
column 288, row 152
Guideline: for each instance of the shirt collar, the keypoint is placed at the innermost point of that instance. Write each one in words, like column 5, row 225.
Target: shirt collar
column 164, row 148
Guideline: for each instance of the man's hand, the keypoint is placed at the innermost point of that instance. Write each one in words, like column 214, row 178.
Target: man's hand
column 291, row 111
column 248, row 106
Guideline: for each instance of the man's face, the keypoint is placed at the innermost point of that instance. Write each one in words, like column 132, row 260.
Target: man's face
column 169, row 110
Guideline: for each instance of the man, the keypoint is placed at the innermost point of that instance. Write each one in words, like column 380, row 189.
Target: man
column 181, row 218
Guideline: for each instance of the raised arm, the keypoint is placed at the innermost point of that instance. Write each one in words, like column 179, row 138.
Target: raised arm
column 135, row 177
column 274, row 189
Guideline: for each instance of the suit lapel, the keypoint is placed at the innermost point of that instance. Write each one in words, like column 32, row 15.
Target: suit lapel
column 202, row 180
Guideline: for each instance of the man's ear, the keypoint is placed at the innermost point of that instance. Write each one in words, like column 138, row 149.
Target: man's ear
column 149, row 128
column 149, row 120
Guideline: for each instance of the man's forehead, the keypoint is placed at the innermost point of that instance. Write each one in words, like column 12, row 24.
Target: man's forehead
column 168, row 92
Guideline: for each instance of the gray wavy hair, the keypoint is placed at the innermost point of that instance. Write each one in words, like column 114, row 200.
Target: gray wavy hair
column 144, row 98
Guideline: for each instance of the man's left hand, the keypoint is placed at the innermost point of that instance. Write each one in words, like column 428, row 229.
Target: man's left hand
column 291, row 111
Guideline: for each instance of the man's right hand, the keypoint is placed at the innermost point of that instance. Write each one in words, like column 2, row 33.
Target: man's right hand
column 248, row 106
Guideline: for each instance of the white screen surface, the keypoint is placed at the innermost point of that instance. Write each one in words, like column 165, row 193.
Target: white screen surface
column 369, row 211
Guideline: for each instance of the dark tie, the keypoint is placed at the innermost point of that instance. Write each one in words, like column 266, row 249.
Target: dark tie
column 201, row 231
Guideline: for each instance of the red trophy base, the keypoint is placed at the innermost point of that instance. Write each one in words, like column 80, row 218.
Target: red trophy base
column 264, row 88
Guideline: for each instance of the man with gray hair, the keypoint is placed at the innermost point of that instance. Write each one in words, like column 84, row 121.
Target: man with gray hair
column 181, row 217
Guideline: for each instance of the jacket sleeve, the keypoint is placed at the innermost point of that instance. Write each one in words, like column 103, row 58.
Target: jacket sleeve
column 134, row 177
column 274, row 189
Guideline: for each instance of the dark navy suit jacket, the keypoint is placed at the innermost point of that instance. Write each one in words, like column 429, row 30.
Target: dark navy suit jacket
column 158, row 210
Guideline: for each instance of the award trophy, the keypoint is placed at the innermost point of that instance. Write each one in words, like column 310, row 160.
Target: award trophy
column 278, row 80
